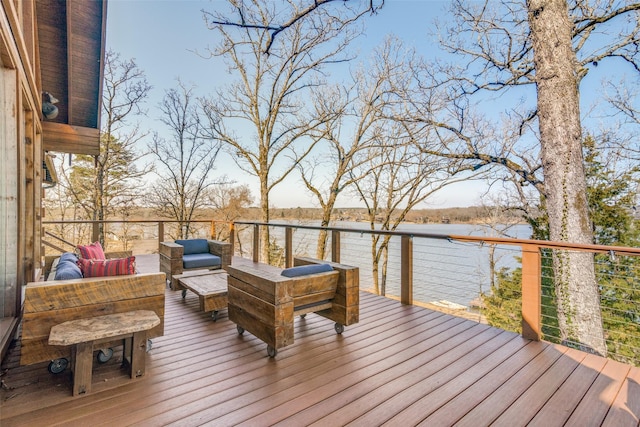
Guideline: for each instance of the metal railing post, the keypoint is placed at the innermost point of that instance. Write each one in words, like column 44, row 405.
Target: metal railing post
column 335, row 246
column 531, row 292
column 406, row 270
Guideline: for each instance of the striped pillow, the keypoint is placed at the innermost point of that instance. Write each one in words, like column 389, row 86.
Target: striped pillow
column 92, row 251
column 109, row 267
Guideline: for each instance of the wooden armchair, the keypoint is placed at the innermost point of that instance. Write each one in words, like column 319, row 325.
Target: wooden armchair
column 193, row 254
column 264, row 302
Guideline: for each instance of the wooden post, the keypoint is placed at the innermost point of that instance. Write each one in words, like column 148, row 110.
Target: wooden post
column 232, row 238
column 256, row 243
column 288, row 247
column 212, row 230
column 160, row 233
column 96, row 231
column 335, row 246
column 531, row 293
column 406, row 270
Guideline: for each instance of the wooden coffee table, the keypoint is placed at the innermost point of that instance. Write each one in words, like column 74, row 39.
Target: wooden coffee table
column 210, row 286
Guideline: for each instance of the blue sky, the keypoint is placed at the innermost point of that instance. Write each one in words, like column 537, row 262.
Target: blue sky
column 164, row 38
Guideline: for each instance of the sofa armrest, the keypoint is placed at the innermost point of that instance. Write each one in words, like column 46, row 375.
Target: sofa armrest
column 171, row 250
column 346, row 303
column 221, row 249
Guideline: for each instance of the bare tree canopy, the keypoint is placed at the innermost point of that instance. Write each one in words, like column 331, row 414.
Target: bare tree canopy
column 264, row 119
column 187, row 158
column 296, row 13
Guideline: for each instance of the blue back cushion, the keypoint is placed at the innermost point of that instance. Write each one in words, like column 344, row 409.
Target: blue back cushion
column 68, row 256
column 194, row 246
column 303, row 270
column 67, row 270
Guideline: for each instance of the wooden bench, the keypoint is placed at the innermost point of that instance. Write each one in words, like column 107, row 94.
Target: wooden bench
column 85, row 335
column 47, row 304
column 264, row 303
column 210, row 286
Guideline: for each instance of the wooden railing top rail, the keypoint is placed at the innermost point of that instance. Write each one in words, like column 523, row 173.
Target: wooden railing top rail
column 125, row 221
column 620, row 250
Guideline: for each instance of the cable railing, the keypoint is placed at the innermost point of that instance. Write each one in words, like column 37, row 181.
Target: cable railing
column 506, row 282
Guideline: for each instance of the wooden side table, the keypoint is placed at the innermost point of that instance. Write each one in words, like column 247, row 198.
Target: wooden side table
column 86, row 334
column 210, row 286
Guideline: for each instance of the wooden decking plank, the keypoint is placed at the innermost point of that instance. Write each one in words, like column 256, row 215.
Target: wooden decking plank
column 332, row 396
column 398, row 402
column 525, row 407
column 386, row 383
column 456, row 408
column 502, row 397
column 625, row 410
column 250, row 401
column 559, row 408
column 431, row 401
column 595, row 404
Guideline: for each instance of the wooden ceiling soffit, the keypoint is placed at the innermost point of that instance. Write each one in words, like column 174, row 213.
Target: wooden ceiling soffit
column 71, row 41
column 63, row 138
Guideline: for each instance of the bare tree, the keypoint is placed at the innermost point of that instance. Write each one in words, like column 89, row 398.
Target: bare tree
column 187, row 157
column 263, row 119
column 624, row 96
column 351, row 138
column 230, row 203
column 397, row 176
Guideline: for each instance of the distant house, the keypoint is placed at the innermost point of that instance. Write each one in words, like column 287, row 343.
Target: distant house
column 51, row 65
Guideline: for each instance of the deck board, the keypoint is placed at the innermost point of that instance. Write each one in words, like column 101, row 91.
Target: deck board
column 400, row 365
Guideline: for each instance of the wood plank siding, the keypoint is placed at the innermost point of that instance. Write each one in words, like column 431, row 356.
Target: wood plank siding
column 400, row 365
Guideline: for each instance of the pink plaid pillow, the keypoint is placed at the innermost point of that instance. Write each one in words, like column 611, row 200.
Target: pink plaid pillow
column 92, row 251
column 109, row 267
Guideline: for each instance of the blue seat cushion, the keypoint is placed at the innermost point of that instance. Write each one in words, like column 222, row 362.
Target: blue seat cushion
column 67, row 270
column 201, row 261
column 304, row 270
column 194, row 246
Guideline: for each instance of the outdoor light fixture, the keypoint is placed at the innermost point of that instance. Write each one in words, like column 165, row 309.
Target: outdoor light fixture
column 49, row 110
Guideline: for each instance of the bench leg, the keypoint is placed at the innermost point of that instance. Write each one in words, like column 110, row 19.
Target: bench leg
column 138, row 354
column 82, row 366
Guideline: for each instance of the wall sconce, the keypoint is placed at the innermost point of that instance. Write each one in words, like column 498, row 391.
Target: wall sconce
column 49, row 110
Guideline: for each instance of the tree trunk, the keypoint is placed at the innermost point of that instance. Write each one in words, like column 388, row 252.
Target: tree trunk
column 264, row 230
column 557, row 82
column 321, row 248
column 375, row 264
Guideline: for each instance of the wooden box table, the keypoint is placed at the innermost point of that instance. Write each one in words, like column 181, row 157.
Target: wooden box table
column 86, row 334
column 210, row 286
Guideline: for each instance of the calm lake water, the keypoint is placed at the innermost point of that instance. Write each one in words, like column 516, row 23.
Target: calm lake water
column 443, row 269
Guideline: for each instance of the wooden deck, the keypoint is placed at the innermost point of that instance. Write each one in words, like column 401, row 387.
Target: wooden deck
column 399, row 366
